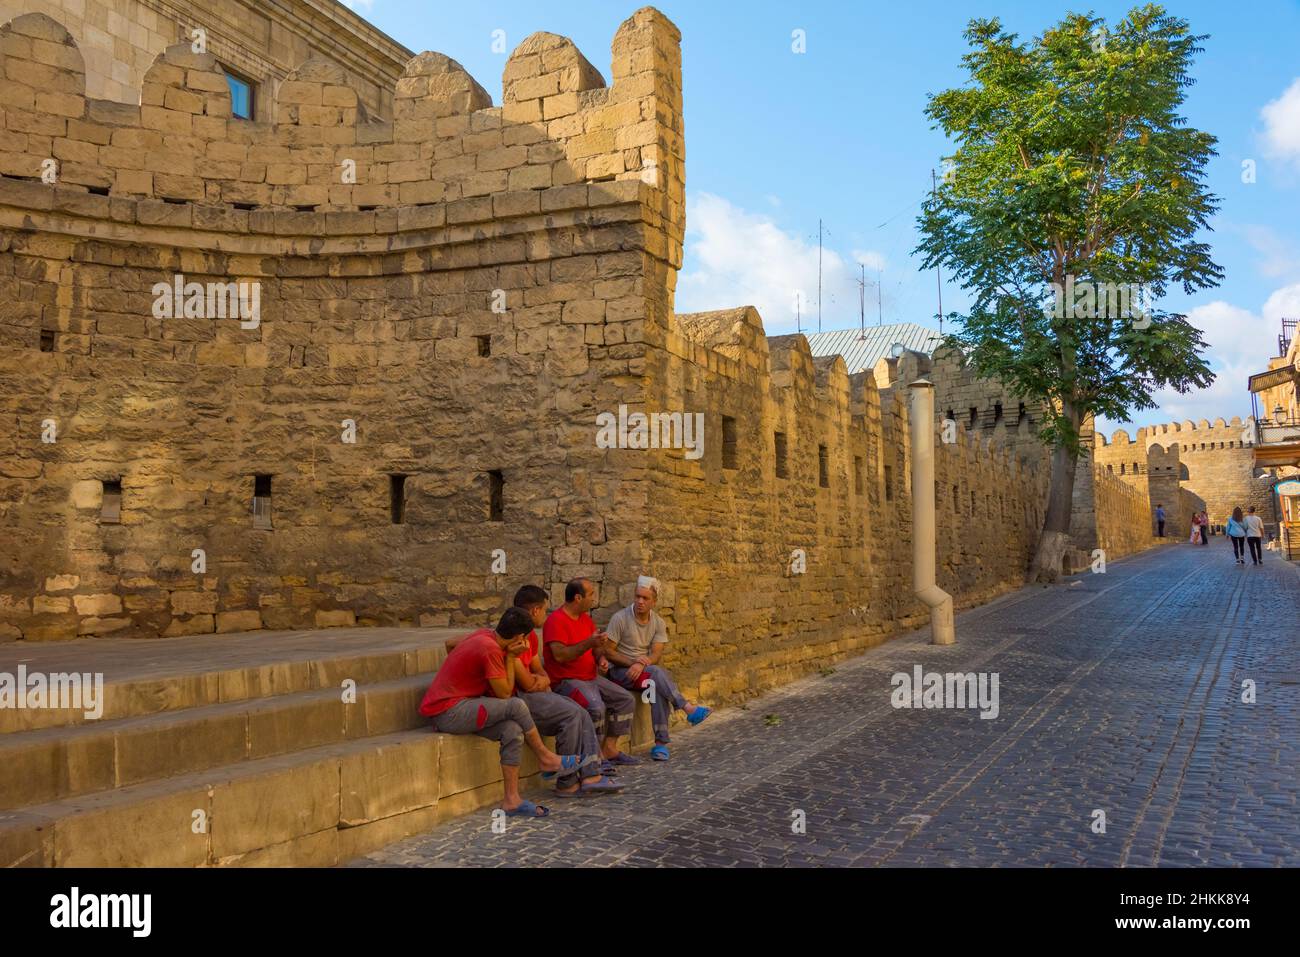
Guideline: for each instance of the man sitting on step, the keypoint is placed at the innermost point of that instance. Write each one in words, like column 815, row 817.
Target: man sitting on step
column 572, row 650
column 474, row 693
column 555, row 714
column 639, row 637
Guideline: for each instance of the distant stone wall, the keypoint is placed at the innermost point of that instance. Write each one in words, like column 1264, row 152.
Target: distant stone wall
column 1124, row 523
column 776, row 573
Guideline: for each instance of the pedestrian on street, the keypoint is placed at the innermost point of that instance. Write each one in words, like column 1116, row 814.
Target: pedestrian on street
column 1205, row 528
column 1255, row 536
column 1237, row 532
column 1160, row 520
column 1196, row 529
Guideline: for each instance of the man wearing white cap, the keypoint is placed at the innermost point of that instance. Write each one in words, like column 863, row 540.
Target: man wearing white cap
column 639, row 637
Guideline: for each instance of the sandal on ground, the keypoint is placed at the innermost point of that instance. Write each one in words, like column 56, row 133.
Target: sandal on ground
column 528, row 809
column 605, row 785
column 659, row 752
column 568, row 762
column 698, row 715
column 623, row 758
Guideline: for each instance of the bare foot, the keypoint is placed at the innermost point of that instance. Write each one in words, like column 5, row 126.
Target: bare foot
column 550, row 761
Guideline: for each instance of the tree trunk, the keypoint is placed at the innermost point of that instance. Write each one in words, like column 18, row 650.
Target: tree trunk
column 1055, row 537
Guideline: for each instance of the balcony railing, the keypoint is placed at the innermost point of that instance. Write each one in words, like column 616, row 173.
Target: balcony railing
column 1277, row 431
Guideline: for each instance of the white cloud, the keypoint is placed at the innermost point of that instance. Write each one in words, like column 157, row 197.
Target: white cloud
column 1282, row 124
column 1240, row 344
column 737, row 258
column 1281, row 257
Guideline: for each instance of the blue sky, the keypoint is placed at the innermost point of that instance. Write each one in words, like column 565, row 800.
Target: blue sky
column 776, row 139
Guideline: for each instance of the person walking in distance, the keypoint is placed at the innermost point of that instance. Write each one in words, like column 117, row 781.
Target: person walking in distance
column 1160, row 520
column 1196, row 529
column 1205, row 528
column 1255, row 536
column 1237, row 532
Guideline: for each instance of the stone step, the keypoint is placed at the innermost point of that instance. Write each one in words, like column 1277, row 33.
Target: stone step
column 172, row 674
column 60, row 762
column 316, row 807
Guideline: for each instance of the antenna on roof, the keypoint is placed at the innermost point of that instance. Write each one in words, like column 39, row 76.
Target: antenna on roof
column 798, row 323
column 819, row 275
column 880, row 313
column 862, row 304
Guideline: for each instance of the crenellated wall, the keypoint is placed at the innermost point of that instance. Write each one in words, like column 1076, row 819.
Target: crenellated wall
column 1212, row 462
column 458, row 319
column 775, row 573
column 464, row 329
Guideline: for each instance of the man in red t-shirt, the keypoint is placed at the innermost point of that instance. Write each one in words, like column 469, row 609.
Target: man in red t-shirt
column 573, row 650
column 473, row 693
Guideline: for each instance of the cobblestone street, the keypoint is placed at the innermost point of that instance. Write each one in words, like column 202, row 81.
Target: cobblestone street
column 1119, row 692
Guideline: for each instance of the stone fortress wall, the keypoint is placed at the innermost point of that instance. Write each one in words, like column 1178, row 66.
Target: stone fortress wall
column 493, row 280
column 377, row 308
column 1190, row 467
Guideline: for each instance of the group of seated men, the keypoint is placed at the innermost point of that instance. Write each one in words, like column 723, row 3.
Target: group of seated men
column 498, row 684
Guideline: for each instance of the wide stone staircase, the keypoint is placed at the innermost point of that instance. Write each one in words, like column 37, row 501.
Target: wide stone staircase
column 265, row 748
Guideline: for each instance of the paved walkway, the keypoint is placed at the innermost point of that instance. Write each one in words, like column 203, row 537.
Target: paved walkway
column 1118, row 692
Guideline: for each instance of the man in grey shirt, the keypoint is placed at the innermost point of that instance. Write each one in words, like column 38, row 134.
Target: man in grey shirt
column 638, row 636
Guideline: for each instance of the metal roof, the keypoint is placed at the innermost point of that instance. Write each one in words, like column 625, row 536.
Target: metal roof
column 863, row 348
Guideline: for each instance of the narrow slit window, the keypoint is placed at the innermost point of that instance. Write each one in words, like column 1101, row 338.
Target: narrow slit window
column 997, row 412
column 110, row 510
column 729, row 443
column 956, row 500
column 484, row 345
column 974, row 414
column 496, row 497
column 889, row 484
column 47, row 340
column 857, row 474
column 261, row 501
column 781, row 470
column 823, row 467
column 397, row 498
column 1020, row 414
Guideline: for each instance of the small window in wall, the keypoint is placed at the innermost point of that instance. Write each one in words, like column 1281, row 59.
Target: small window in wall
column 47, row 340
column 956, row 500
column 1020, row 414
column 974, row 414
column 823, row 467
column 496, row 497
column 484, row 345
column 952, row 415
column 729, row 443
column 972, row 502
column 997, row 412
column 857, row 474
column 397, row 498
column 261, row 501
column 889, row 484
column 241, row 96
column 1135, row 468
column 110, row 511
column 1121, row 469
column 781, row 470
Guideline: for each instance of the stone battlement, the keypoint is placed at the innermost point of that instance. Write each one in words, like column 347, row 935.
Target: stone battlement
column 559, row 125
column 1188, row 434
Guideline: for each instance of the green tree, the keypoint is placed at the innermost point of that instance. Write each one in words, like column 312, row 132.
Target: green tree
column 1071, row 203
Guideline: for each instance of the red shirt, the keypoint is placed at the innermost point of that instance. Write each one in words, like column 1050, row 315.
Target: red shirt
column 568, row 631
column 526, row 659
column 466, row 672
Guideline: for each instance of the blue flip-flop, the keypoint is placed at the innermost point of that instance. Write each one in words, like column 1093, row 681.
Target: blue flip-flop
column 659, row 752
column 528, row 809
column 605, row 785
column 698, row 715
column 568, row 762
column 623, row 758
